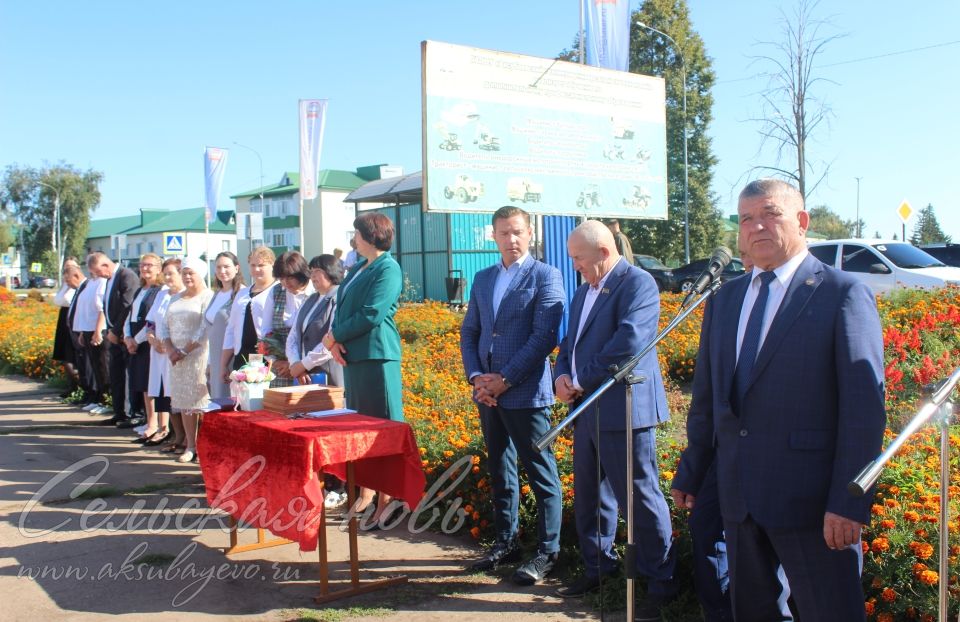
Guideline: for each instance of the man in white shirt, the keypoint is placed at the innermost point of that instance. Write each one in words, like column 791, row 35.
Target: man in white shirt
column 121, row 286
column 352, row 256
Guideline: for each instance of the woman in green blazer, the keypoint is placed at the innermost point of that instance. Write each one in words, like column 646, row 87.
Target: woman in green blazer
column 364, row 336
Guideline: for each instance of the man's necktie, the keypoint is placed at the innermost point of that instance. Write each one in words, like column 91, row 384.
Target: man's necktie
column 751, row 337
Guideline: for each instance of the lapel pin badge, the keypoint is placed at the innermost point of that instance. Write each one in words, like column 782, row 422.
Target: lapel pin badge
column 604, row 291
column 809, row 281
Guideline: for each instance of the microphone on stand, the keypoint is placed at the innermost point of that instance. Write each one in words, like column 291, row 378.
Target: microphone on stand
column 718, row 261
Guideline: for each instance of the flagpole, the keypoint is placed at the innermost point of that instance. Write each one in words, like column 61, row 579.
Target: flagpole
column 206, row 243
column 301, row 225
column 583, row 59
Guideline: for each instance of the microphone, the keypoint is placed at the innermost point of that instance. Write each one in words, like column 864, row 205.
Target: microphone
column 718, row 261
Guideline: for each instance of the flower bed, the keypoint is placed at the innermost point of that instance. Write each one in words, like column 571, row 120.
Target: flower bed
column 921, row 340
column 26, row 336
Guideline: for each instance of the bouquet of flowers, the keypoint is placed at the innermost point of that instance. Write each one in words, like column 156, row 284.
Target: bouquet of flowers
column 272, row 347
column 247, row 385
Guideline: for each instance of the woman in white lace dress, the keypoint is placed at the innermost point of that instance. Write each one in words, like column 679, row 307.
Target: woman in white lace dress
column 185, row 341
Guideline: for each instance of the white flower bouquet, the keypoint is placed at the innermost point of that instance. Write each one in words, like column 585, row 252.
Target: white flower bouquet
column 248, row 383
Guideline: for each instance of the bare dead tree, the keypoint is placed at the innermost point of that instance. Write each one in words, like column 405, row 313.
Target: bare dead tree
column 791, row 110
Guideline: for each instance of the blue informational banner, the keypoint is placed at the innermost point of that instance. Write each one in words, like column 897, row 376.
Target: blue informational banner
column 607, row 33
column 550, row 136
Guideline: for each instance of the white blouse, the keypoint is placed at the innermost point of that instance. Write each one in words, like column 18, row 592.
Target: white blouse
column 261, row 308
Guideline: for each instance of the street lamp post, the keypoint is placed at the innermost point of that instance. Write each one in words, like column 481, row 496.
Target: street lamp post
column 858, row 206
column 686, row 177
column 260, row 160
column 55, row 230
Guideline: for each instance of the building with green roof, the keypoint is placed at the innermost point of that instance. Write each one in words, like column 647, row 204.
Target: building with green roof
column 271, row 215
column 163, row 232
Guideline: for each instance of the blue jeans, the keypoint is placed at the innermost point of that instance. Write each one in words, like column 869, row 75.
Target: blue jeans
column 509, row 434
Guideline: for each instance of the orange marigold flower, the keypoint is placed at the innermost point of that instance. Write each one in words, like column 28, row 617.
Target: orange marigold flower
column 922, row 549
column 475, row 532
column 911, row 517
column 878, row 510
column 929, row 577
column 880, row 545
column 869, row 607
column 864, row 546
column 885, row 617
column 888, row 524
column 888, row 595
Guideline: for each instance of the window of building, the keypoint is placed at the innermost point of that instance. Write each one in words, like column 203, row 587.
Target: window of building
column 225, row 245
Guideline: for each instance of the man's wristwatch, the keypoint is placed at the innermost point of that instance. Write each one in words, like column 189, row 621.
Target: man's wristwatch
column 506, row 382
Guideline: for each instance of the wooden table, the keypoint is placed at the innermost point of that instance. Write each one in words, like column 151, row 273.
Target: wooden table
column 266, row 470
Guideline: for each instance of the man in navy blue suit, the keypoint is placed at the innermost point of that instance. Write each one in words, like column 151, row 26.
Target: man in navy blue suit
column 613, row 315
column 788, row 399
column 510, row 328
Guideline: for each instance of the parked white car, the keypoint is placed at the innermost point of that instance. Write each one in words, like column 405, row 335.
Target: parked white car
column 885, row 264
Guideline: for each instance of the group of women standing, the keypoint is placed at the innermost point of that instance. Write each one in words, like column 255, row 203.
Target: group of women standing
column 185, row 339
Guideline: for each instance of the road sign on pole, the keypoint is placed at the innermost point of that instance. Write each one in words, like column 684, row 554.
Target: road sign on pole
column 173, row 244
column 905, row 211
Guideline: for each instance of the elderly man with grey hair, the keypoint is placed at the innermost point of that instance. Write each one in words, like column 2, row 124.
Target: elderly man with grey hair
column 614, row 314
column 788, row 402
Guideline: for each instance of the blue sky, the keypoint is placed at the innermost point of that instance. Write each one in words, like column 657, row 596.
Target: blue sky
column 137, row 89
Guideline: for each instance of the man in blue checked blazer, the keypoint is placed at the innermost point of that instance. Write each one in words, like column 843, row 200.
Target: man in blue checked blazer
column 788, row 399
column 510, row 328
column 613, row 315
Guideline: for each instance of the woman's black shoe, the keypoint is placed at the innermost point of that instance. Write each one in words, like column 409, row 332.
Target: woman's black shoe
column 153, row 442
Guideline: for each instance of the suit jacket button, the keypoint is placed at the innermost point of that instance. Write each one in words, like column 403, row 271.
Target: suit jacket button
column 743, row 432
column 495, row 335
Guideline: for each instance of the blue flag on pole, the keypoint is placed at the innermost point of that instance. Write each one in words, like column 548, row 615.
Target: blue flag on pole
column 607, row 33
column 214, row 163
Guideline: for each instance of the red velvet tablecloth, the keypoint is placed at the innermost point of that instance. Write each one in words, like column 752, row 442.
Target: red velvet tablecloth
column 262, row 468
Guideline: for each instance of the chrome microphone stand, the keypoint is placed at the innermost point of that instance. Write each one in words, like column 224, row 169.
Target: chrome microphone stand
column 941, row 408
column 623, row 373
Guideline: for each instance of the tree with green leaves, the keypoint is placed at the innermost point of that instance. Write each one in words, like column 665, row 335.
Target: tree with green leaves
column 927, row 229
column 828, row 223
column 652, row 54
column 28, row 194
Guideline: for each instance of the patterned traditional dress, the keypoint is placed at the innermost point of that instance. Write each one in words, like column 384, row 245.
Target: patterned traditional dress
column 185, row 324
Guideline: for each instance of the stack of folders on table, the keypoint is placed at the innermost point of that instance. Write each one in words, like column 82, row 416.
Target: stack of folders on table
column 303, row 398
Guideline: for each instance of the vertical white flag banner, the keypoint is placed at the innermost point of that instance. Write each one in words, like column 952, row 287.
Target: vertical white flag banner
column 312, row 118
column 607, row 33
column 214, row 163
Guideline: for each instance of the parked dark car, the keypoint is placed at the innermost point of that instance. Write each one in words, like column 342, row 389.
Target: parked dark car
column 947, row 253
column 41, row 282
column 684, row 276
column 660, row 273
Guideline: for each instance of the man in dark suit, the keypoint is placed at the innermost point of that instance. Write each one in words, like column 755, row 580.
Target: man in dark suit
column 613, row 315
column 788, row 398
column 510, row 328
column 122, row 285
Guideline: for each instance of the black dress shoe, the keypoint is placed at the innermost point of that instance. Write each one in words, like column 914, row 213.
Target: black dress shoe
column 579, row 587
column 535, row 569
column 114, row 420
column 499, row 553
column 158, row 441
column 130, row 423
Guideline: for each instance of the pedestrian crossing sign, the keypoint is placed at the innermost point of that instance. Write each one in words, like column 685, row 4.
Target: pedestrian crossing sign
column 173, row 244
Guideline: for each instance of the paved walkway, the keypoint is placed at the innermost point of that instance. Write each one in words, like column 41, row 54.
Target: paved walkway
column 123, row 561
